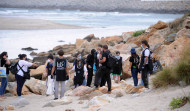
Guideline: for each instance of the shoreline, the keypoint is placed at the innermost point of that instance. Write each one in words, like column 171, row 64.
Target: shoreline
column 15, row 23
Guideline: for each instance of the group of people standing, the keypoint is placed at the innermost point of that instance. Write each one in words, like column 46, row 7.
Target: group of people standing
column 97, row 63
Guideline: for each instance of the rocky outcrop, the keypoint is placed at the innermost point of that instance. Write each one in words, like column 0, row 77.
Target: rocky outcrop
column 37, row 73
column 29, row 49
column 67, row 48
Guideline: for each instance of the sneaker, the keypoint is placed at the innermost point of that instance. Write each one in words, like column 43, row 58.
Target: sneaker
column 55, row 99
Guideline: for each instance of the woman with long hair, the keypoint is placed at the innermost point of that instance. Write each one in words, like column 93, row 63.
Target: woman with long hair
column 134, row 62
column 4, row 80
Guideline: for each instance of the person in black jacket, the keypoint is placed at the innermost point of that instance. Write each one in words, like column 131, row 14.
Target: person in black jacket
column 90, row 63
column 4, row 80
column 117, row 69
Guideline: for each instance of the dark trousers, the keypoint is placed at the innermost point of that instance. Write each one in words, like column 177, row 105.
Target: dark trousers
column 134, row 73
column 20, row 82
column 90, row 75
column 144, row 76
column 103, row 76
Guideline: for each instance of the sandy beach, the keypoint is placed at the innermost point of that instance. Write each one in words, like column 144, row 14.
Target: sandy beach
column 153, row 100
column 16, row 23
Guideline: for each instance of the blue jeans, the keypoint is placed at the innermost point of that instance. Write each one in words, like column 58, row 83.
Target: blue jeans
column 3, row 87
column 134, row 73
column 84, row 82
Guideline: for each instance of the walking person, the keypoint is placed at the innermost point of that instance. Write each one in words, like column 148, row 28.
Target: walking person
column 145, row 62
column 90, row 64
column 134, row 63
column 60, row 66
column 22, row 67
column 50, row 80
column 117, row 70
column 80, row 73
column 4, row 80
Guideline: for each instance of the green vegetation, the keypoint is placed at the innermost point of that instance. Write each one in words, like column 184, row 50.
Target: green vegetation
column 178, row 102
column 137, row 33
column 175, row 103
column 172, row 75
column 189, row 15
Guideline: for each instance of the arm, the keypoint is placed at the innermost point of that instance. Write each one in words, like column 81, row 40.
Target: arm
column 53, row 69
column 28, row 64
column 67, row 71
column 103, row 60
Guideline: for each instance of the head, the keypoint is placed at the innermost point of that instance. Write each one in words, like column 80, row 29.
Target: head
column 80, row 64
column 133, row 52
column 50, row 58
column 4, row 55
column 22, row 56
column 79, row 56
column 60, row 53
column 105, row 48
column 93, row 51
column 117, row 53
column 144, row 44
column 99, row 47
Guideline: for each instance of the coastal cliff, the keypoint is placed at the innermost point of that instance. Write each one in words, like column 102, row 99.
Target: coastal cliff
column 103, row 5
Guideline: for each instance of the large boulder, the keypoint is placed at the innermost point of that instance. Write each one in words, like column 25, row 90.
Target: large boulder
column 12, row 88
column 63, row 101
column 119, row 92
column 112, row 40
column 91, row 95
column 36, row 86
column 67, row 48
column 160, row 25
column 40, row 60
column 90, row 37
column 79, row 42
column 37, row 73
column 82, row 90
column 126, row 36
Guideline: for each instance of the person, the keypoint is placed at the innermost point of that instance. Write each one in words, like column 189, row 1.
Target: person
column 97, row 57
column 4, row 80
column 117, row 69
column 79, row 57
column 144, row 65
column 134, row 63
column 22, row 66
column 90, row 64
column 103, row 74
column 50, row 83
column 156, row 64
column 80, row 73
column 60, row 66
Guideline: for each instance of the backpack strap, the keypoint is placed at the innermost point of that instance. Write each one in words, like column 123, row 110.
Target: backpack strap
column 21, row 68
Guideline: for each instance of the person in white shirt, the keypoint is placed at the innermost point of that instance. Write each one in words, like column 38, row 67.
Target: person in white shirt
column 20, row 75
column 80, row 73
column 144, row 62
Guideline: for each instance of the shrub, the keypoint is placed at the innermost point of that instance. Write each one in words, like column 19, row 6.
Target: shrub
column 189, row 15
column 164, row 78
column 137, row 33
column 175, row 103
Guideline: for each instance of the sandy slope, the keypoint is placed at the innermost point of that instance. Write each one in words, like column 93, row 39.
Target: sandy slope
column 16, row 23
column 155, row 100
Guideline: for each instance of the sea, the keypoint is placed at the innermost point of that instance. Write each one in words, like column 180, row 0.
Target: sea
column 101, row 24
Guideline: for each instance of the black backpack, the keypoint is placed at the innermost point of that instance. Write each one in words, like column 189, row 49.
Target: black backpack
column 150, row 63
column 13, row 68
column 111, row 61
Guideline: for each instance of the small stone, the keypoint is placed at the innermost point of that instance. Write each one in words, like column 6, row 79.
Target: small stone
column 81, row 102
column 10, row 107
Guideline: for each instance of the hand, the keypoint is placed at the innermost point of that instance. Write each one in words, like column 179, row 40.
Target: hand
column 35, row 65
column 89, row 66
